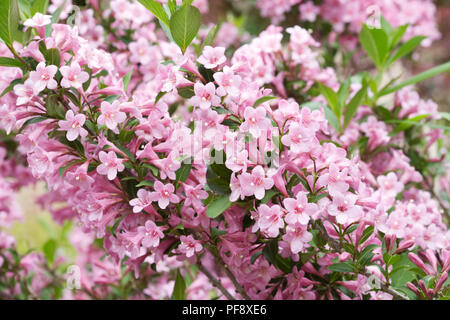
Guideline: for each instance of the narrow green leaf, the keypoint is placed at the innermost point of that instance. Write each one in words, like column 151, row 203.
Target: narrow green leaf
column 342, row 94
column 406, row 124
column 157, row 9
column 9, row 62
column 50, row 250
column 126, row 80
column 405, row 49
column 341, row 267
column 218, row 206
column 418, row 78
column 397, row 35
column 210, row 37
column 179, row 288
column 184, row 25
column 353, row 106
column 52, row 57
column 263, row 99
column 331, row 97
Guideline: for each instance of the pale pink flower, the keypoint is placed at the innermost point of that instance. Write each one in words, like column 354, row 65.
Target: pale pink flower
column 212, row 57
column 73, row 125
column 344, row 208
column 229, row 83
column 25, row 92
column 270, row 220
column 164, row 194
column 299, row 139
column 152, row 234
column 299, row 210
column 79, row 178
column 255, row 183
column 73, row 76
column 111, row 115
column 205, row 96
column 194, row 195
column 297, row 236
column 335, row 179
column 142, row 201
column 189, row 246
column 38, row 20
column 110, row 164
column 43, row 77
column 256, row 121
column 7, row 119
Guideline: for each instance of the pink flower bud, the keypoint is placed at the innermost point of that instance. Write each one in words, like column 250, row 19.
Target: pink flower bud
column 389, row 240
column 414, row 289
column 344, row 256
column 418, row 262
column 441, row 281
column 403, row 246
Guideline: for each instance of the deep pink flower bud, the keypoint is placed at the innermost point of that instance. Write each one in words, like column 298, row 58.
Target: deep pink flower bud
column 403, row 246
column 389, row 240
column 441, row 281
column 414, row 289
column 418, row 262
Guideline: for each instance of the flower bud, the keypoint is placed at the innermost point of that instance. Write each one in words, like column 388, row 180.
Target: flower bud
column 403, row 246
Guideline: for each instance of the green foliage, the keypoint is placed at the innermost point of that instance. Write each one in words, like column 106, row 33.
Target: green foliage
column 179, row 290
column 157, row 9
column 184, row 25
column 218, row 206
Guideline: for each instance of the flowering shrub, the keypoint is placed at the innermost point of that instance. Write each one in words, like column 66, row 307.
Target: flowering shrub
column 201, row 163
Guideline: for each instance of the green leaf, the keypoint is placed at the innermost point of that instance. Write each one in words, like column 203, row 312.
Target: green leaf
column 397, row 35
column 183, row 172
column 52, row 57
column 331, row 97
column 262, row 100
column 341, row 267
column 157, row 9
column 184, row 25
column 186, row 92
column 405, row 49
column 9, row 62
column 217, row 232
column 366, row 234
column 50, row 250
column 344, row 91
column 375, row 43
column 145, row 183
column 9, row 21
column 353, row 106
column 126, row 80
column 269, row 195
column 218, row 206
column 406, row 124
column 210, row 37
column 417, row 78
column 179, row 288
column 39, row 6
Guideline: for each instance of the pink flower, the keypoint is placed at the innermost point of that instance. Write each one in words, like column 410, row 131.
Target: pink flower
column 299, row 139
column 38, row 20
column 212, row 57
column 299, row 210
column 152, row 234
column 25, row 92
column 344, row 208
column 143, row 200
column 164, row 194
column 167, row 166
column 110, row 164
column 189, row 246
column 73, row 76
column 335, row 180
column 228, row 82
column 297, row 236
column 111, row 115
column 7, row 119
column 255, row 183
column 43, row 77
column 205, row 96
column 255, row 121
column 79, row 178
column 73, row 125
column 194, row 195
column 270, row 220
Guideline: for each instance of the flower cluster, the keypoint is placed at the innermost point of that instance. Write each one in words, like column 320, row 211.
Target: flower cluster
column 252, row 163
